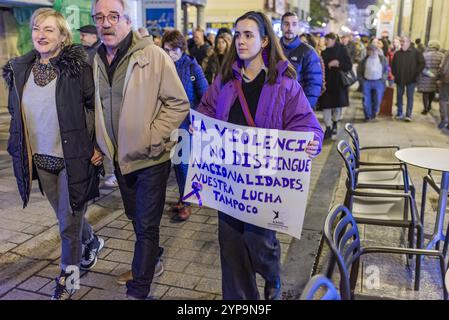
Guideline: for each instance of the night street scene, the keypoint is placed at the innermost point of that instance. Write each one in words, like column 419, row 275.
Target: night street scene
column 201, row 151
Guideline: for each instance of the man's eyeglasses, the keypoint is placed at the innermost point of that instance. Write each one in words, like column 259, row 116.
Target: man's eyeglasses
column 113, row 18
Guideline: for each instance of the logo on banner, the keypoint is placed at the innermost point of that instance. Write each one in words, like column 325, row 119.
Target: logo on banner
column 278, row 222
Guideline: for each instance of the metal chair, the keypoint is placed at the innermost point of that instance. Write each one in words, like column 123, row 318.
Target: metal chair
column 381, row 207
column 436, row 238
column 386, row 175
column 315, row 284
column 342, row 235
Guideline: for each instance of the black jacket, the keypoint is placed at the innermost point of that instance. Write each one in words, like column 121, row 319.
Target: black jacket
column 92, row 51
column 336, row 94
column 74, row 96
column 407, row 66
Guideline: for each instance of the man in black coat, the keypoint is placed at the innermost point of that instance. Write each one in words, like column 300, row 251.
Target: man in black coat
column 90, row 41
column 407, row 65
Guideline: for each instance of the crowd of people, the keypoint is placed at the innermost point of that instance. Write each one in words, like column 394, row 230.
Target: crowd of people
column 115, row 103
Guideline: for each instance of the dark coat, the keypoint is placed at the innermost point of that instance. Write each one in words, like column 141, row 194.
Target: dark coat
column 336, row 94
column 213, row 66
column 308, row 68
column 192, row 78
column 92, row 51
column 74, row 95
column 407, row 66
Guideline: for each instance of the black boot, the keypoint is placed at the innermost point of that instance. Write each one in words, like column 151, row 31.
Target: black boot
column 328, row 133
column 334, row 128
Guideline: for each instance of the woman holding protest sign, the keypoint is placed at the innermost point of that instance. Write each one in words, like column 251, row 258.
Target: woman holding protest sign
column 256, row 87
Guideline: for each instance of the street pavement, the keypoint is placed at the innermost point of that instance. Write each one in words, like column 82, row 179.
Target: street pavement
column 30, row 247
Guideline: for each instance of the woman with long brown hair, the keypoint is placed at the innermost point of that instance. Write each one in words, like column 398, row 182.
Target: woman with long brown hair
column 272, row 98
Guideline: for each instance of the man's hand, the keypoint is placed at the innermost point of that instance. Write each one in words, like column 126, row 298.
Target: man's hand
column 97, row 158
column 312, row 149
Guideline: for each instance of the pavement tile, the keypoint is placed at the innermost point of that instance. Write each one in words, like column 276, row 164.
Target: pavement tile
column 120, row 269
column 13, row 236
column 100, row 294
column 184, row 243
column 204, row 236
column 176, row 232
column 119, row 244
column 34, row 283
column 120, row 256
column 174, row 265
column 17, row 294
column 104, row 252
column 183, row 294
column 118, row 224
column 209, row 285
column 115, row 233
column 34, row 230
column 103, row 266
column 198, row 218
column 178, row 280
column 200, row 227
column 6, row 246
column 100, row 281
column 204, row 270
column 13, row 225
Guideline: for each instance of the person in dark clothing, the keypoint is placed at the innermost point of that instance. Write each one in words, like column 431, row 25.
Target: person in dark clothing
column 50, row 89
column 419, row 45
column 336, row 59
column 349, row 45
column 195, row 85
column 214, row 62
column 408, row 63
column 303, row 57
column 90, row 41
column 200, row 49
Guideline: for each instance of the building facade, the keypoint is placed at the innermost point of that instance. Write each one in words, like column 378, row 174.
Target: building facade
column 424, row 19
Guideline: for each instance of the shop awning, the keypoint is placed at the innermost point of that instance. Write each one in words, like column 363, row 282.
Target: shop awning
column 20, row 3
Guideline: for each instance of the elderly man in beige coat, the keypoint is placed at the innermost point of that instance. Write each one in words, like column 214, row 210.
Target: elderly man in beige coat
column 139, row 102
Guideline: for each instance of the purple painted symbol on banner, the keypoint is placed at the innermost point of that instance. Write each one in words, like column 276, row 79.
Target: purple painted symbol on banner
column 197, row 187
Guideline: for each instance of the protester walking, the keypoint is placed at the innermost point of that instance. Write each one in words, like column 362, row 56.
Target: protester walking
column 336, row 96
column 408, row 63
column 140, row 101
column 195, row 85
column 427, row 80
column 273, row 99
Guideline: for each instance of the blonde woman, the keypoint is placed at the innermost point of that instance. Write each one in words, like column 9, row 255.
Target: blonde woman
column 50, row 88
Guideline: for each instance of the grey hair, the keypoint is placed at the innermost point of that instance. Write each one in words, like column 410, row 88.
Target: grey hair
column 124, row 4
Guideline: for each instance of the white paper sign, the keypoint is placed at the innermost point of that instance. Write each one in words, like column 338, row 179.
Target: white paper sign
column 259, row 176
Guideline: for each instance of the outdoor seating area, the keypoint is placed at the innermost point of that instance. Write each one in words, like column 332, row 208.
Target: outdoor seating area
column 382, row 194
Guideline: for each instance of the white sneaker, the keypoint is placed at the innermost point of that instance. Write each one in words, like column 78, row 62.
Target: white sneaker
column 111, row 182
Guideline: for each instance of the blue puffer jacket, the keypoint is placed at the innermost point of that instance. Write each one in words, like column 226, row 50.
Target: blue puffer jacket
column 192, row 78
column 308, row 66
